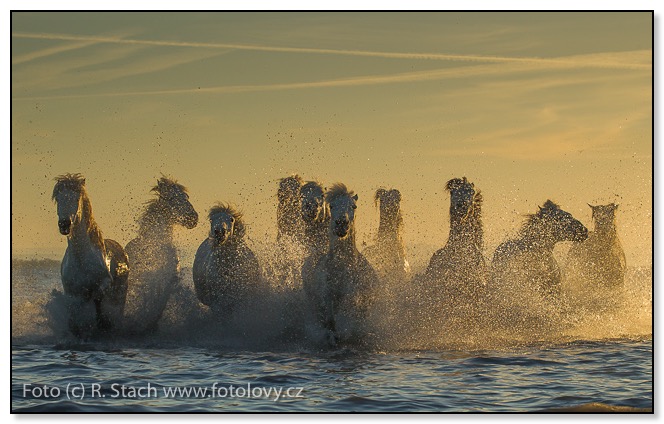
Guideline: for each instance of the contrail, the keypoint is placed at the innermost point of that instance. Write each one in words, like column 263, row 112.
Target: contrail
column 393, row 55
column 436, row 74
column 50, row 52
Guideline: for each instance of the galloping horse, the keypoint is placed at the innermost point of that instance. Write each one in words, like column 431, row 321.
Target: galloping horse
column 340, row 284
column 528, row 261
column 288, row 211
column 226, row 272
column 388, row 255
column 600, row 260
column 287, row 264
column 459, row 267
column 93, row 269
column 154, row 260
column 315, row 217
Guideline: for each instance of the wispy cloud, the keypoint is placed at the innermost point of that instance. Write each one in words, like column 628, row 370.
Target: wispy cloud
column 51, row 51
column 465, row 71
column 86, row 70
column 28, row 57
column 575, row 61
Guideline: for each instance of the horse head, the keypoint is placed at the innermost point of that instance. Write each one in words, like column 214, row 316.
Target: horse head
column 312, row 200
column 462, row 197
column 604, row 215
column 289, row 189
column 561, row 225
column 342, row 210
column 225, row 224
column 176, row 199
column 68, row 194
column 388, row 201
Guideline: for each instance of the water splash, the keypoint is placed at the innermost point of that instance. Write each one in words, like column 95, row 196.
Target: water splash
column 406, row 317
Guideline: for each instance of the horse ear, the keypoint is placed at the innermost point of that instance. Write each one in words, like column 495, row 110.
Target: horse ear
column 379, row 194
column 239, row 229
column 355, row 197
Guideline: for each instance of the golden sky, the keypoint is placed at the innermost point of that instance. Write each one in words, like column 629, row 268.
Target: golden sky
column 528, row 106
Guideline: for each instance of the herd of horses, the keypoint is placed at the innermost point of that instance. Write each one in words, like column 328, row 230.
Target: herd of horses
column 318, row 255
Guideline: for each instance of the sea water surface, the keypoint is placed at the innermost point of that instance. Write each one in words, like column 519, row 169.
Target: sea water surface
column 599, row 360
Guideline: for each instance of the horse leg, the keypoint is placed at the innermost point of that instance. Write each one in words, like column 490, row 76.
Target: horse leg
column 328, row 319
column 164, row 296
column 104, row 323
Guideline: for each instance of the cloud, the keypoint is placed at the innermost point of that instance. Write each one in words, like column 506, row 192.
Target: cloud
column 464, row 71
column 599, row 60
column 28, row 57
column 51, row 51
column 85, row 70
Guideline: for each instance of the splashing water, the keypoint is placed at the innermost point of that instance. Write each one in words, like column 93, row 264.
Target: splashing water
column 408, row 316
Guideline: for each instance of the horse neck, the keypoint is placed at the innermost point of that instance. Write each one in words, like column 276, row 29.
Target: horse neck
column 538, row 236
column 389, row 224
column 467, row 229
column 157, row 223
column 232, row 245
column 85, row 234
column 389, row 231
column 343, row 247
column 606, row 229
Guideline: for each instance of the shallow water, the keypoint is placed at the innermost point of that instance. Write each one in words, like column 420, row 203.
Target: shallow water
column 616, row 372
column 587, row 355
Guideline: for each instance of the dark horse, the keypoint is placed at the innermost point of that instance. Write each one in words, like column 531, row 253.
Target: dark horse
column 226, row 272
column 528, row 261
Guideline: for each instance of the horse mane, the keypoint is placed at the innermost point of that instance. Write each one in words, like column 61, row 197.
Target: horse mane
column 476, row 219
column 317, row 185
column 311, row 184
column 165, row 184
column 534, row 219
column 155, row 206
column 220, row 207
column 76, row 182
column 336, row 191
column 457, row 183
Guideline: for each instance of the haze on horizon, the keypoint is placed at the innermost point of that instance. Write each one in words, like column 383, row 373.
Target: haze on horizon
column 528, row 106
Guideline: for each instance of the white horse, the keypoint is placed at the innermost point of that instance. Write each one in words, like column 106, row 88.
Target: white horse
column 315, row 217
column 388, row 254
column 153, row 257
column 599, row 260
column 288, row 211
column 226, row 272
column 340, row 284
column 286, row 265
column 528, row 261
column 93, row 269
column 459, row 268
